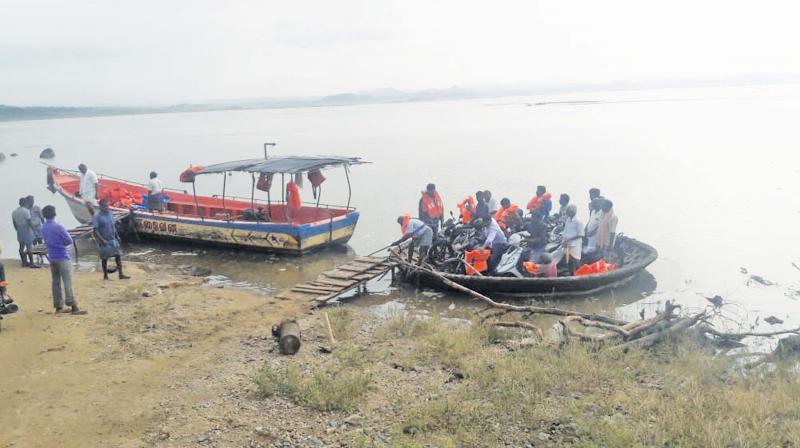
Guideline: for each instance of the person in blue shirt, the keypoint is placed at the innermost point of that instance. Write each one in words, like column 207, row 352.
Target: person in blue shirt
column 58, row 241
column 105, row 232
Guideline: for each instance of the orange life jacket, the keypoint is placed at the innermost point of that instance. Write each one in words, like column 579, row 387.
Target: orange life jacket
column 187, row 176
column 530, row 267
column 538, row 201
column 293, row 196
column 598, row 267
column 466, row 215
column 119, row 197
column 404, row 225
column 477, row 260
column 504, row 213
column 432, row 206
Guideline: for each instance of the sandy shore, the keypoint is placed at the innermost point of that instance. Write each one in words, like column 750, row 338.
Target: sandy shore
column 119, row 374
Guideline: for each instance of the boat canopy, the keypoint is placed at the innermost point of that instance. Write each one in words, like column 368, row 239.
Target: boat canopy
column 282, row 164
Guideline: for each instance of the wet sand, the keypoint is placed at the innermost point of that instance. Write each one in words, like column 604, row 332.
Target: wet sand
column 103, row 379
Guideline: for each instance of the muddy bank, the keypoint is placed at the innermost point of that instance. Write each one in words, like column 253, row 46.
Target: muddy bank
column 173, row 360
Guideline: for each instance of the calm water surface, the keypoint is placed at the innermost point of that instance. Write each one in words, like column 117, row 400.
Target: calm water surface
column 710, row 177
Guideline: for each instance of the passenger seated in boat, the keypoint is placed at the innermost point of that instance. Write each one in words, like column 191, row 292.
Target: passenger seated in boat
column 494, row 239
column 421, row 236
column 572, row 239
column 254, row 215
column 607, row 230
column 546, row 266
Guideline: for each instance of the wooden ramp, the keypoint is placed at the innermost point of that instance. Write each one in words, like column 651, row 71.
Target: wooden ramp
column 331, row 284
column 80, row 232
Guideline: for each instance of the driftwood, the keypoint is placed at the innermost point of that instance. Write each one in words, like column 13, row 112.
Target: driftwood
column 288, row 334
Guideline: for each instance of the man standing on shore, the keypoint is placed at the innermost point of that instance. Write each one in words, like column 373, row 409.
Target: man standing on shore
column 58, row 240
column 88, row 188
column 155, row 190
column 105, row 232
column 21, row 218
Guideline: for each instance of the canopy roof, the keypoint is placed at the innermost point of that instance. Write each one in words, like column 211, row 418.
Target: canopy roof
column 282, row 164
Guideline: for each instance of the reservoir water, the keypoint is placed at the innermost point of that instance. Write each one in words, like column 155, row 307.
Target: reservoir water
column 710, row 177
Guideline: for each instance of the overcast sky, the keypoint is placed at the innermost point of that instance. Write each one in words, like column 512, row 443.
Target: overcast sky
column 153, row 52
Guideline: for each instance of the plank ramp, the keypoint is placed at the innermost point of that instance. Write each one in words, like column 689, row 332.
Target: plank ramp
column 331, row 284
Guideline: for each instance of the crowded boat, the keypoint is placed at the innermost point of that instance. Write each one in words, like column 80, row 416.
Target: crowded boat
column 502, row 239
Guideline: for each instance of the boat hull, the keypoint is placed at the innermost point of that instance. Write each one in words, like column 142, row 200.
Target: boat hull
column 291, row 238
column 638, row 254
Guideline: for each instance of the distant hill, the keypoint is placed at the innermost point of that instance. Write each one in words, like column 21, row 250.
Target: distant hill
column 391, row 95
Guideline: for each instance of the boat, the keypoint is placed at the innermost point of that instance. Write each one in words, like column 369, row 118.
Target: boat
column 248, row 223
column 637, row 256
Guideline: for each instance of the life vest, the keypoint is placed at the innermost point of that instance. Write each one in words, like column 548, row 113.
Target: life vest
column 466, row 215
column 504, row 213
column 316, row 178
column 188, row 175
column 477, row 260
column 264, row 182
column 530, row 267
column 404, row 225
column 598, row 267
column 119, row 197
column 293, row 196
column 538, row 201
column 432, row 206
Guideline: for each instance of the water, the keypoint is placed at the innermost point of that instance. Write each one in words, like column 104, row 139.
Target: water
column 710, row 177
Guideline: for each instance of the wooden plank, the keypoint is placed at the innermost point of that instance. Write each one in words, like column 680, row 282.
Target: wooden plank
column 309, row 288
column 332, row 282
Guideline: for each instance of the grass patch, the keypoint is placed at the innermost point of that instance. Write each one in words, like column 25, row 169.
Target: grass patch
column 343, row 323
column 338, row 383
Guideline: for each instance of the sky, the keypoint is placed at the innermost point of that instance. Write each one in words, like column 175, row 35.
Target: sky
column 150, row 53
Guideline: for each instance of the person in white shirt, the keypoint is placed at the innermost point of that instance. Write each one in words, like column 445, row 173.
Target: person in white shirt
column 88, row 189
column 494, row 206
column 573, row 239
column 155, row 193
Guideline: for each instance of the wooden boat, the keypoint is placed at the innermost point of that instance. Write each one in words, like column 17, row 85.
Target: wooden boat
column 231, row 222
column 638, row 256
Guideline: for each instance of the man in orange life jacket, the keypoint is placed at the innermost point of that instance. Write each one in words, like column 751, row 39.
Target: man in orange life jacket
column 541, row 202
column 431, row 207
column 508, row 216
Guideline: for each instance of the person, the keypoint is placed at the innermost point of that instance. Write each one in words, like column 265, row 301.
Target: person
column 592, row 225
column 537, row 235
column 563, row 202
column 572, row 239
column 21, row 218
column 431, row 207
column 482, row 207
column 57, row 240
column 155, row 190
column 36, row 220
column 507, row 216
column 607, row 230
column 421, row 236
column 88, row 187
column 494, row 206
column 541, row 201
column 495, row 240
column 105, row 232
column 594, row 193
column 466, row 209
